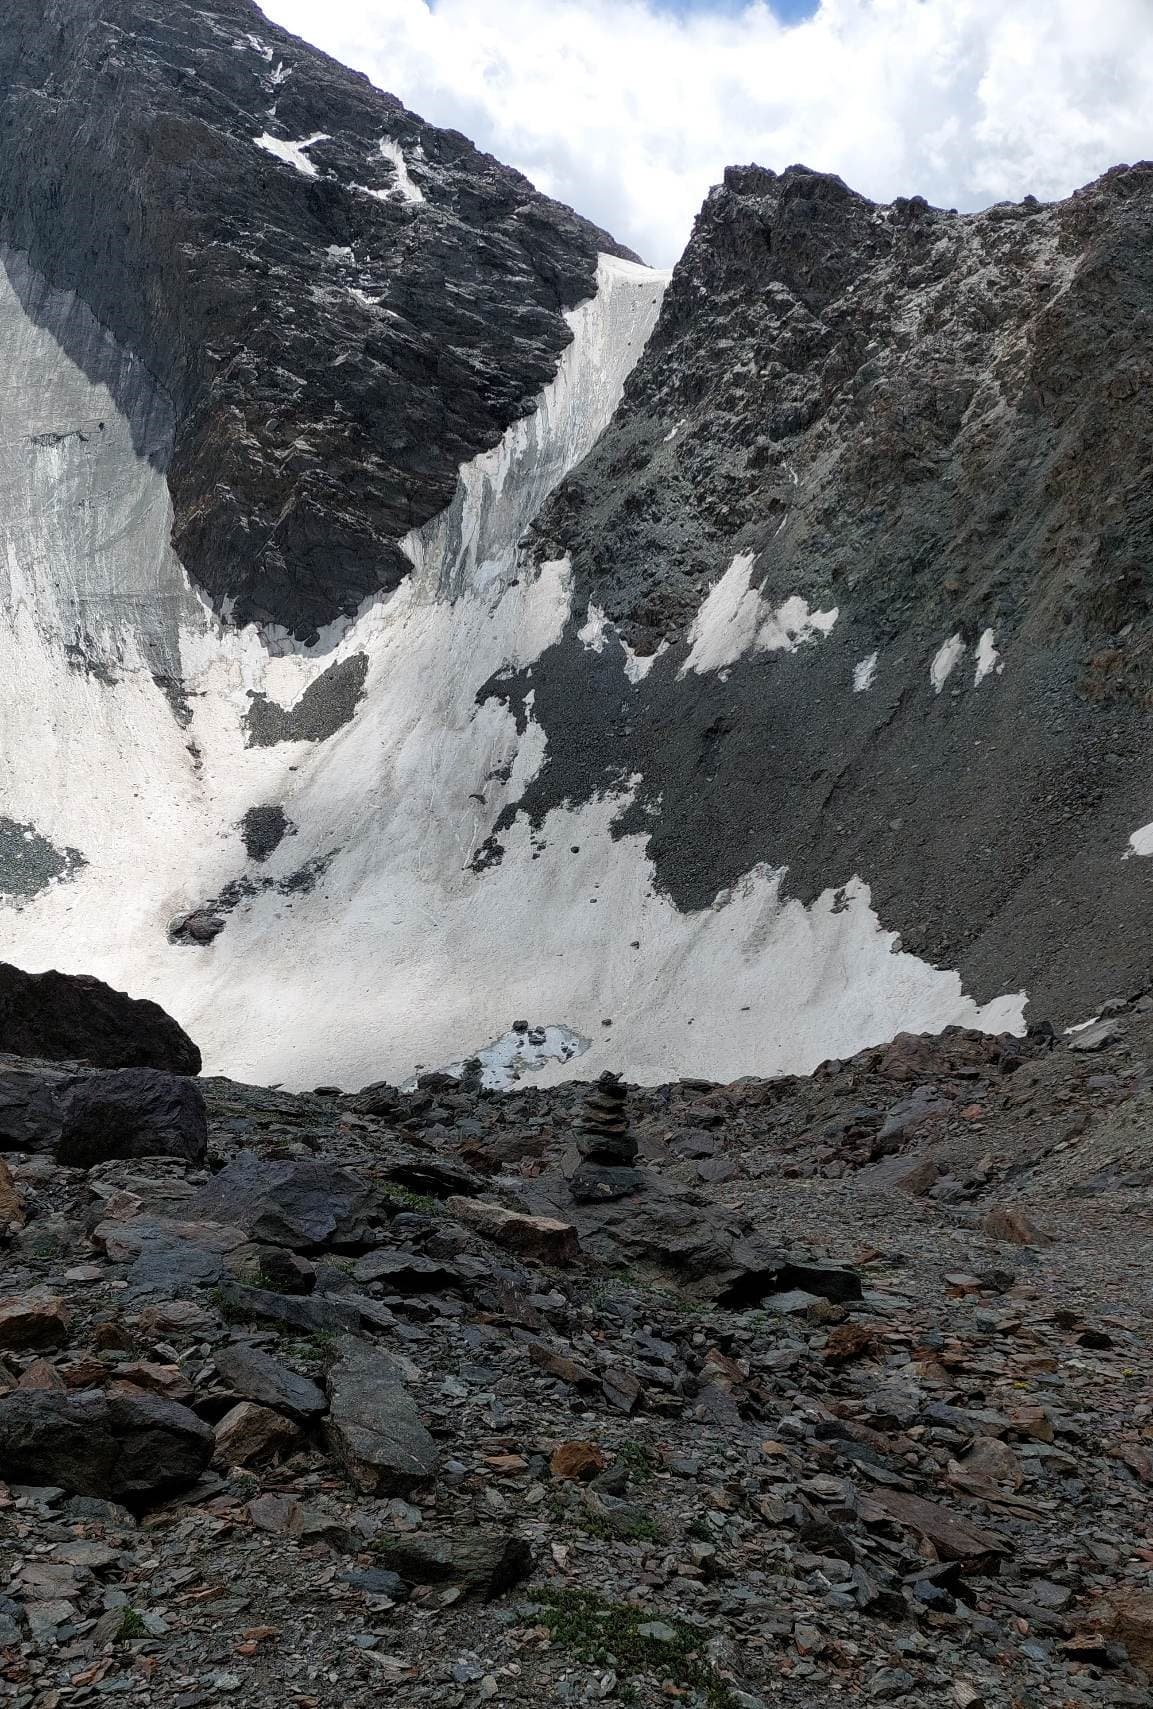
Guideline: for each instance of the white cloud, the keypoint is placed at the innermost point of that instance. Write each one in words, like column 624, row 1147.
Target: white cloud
column 630, row 113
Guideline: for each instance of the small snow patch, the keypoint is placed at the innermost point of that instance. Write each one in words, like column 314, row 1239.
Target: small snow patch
column 1082, row 1026
column 404, row 187
column 292, row 153
column 988, row 658
column 594, row 631
column 638, row 665
column 1140, row 843
column 945, row 661
column 863, row 673
column 735, row 620
column 519, row 1052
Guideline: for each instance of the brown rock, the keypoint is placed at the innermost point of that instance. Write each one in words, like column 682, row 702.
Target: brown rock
column 577, row 1462
column 545, row 1240
column 11, row 1200
column 166, row 1380
column 250, row 1433
column 568, row 1370
column 281, row 1516
column 40, row 1374
column 1013, row 1227
column 1133, row 1624
column 849, row 1341
column 28, row 1320
column 952, row 1537
column 912, row 1175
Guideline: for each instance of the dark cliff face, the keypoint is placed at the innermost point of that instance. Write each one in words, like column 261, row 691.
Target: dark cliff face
column 964, row 401
column 939, row 426
column 334, row 346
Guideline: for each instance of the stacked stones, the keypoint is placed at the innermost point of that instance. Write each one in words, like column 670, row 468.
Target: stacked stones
column 607, row 1147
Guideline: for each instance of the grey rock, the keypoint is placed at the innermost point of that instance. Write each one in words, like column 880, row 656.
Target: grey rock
column 261, row 1377
column 485, row 1562
column 131, row 1112
column 373, row 1426
column 120, row 1448
column 299, row 1205
column 311, row 1313
column 405, row 1272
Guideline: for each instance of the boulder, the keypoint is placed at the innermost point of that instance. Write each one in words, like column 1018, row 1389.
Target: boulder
column 373, row 1427
column 72, row 1017
column 131, row 1449
column 32, row 1320
column 303, row 1206
column 249, row 1433
column 87, row 1118
column 132, row 1112
column 405, row 1272
column 282, row 1516
column 258, row 1376
column 483, row 1561
column 547, row 1240
column 311, row 1313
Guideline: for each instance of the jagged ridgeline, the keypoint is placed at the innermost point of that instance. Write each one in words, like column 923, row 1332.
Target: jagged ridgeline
column 417, row 616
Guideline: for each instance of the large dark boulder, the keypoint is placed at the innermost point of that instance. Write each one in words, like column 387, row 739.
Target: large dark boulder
column 72, row 1017
column 121, row 1448
column 134, row 1112
column 299, row 1205
column 83, row 1119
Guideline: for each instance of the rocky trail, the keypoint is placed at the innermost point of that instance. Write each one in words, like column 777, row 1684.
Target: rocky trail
column 778, row 1392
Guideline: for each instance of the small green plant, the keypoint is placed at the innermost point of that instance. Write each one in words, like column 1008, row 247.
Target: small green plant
column 131, row 1626
column 408, row 1201
column 639, row 1461
column 614, row 1634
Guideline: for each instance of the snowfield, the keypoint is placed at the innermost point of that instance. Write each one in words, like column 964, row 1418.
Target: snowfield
column 368, row 943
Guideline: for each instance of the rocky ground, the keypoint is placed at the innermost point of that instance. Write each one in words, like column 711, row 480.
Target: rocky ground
column 348, row 1399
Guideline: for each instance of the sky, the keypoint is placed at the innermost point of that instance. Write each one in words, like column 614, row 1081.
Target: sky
column 630, row 109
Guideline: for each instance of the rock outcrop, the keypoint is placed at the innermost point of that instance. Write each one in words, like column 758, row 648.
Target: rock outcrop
column 71, row 1017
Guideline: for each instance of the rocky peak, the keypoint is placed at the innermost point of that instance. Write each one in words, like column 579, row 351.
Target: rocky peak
column 343, row 302
column 860, row 394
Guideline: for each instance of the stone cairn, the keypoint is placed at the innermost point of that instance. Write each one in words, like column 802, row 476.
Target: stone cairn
column 608, row 1150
